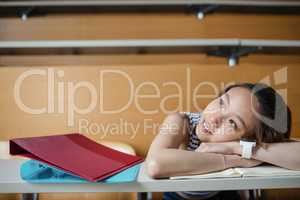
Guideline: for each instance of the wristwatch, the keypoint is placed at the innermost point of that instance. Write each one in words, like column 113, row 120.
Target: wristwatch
column 247, row 147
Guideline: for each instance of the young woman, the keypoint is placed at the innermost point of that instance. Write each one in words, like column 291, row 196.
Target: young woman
column 195, row 143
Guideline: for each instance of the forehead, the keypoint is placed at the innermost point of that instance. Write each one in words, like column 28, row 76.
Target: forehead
column 243, row 104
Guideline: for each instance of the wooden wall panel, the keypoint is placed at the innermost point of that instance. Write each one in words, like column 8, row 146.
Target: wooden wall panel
column 116, row 92
column 156, row 68
column 138, row 26
column 89, row 196
column 286, row 194
column 8, row 197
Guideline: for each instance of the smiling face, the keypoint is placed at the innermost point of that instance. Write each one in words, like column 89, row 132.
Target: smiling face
column 228, row 117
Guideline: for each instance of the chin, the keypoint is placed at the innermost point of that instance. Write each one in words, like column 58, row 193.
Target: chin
column 204, row 138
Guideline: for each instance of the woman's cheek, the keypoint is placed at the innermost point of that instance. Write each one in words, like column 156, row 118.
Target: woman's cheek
column 222, row 131
column 226, row 132
column 218, row 132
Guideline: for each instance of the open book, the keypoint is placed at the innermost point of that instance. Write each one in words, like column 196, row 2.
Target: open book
column 260, row 171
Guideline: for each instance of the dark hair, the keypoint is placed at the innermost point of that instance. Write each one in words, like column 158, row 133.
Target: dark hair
column 274, row 114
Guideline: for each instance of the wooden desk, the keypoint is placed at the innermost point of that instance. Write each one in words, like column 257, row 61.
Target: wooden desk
column 10, row 182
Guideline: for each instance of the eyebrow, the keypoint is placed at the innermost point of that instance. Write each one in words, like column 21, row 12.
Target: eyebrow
column 239, row 117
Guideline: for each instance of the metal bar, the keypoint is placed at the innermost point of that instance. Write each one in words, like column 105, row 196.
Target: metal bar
column 148, row 3
column 270, row 43
column 142, row 196
column 148, row 43
column 29, row 196
column 119, row 43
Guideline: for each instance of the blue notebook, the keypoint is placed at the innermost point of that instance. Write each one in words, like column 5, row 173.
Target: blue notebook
column 34, row 171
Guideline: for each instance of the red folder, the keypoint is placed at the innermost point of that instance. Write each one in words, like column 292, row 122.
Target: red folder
column 74, row 153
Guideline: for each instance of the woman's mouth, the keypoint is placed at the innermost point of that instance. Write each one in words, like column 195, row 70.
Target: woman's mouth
column 205, row 128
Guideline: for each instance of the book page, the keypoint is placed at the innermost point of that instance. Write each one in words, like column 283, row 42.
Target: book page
column 228, row 173
column 266, row 170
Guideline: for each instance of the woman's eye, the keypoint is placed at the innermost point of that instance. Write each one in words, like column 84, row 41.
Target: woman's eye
column 233, row 124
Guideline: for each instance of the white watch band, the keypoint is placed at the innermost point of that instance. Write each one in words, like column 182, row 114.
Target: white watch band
column 247, row 148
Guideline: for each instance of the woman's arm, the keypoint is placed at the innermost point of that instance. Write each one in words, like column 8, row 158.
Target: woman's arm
column 165, row 159
column 282, row 154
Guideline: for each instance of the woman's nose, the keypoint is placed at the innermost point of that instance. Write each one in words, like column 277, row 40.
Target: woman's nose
column 215, row 119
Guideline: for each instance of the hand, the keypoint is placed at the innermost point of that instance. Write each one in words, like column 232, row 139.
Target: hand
column 225, row 148
column 238, row 161
column 249, row 163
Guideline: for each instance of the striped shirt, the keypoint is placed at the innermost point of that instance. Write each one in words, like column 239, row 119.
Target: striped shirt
column 193, row 120
column 193, row 144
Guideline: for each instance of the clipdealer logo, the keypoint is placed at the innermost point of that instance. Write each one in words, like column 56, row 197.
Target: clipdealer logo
column 187, row 94
column 56, row 87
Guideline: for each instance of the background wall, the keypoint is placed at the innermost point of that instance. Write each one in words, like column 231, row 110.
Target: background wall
column 150, row 25
column 158, row 69
column 168, row 88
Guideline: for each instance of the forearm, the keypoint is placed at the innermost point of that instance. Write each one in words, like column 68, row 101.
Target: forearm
column 172, row 162
column 284, row 154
